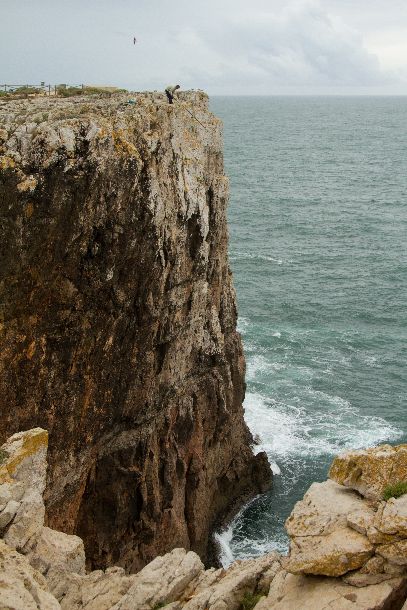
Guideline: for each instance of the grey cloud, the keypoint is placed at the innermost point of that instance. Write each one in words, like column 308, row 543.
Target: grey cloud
column 267, row 46
column 298, row 47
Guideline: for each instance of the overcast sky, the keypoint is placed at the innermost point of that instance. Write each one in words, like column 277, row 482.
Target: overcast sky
column 222, row 46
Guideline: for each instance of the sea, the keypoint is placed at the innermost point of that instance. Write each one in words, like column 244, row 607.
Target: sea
column 318, row 250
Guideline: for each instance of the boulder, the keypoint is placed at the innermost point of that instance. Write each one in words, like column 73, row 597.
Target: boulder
column 358, row 579
column 332, row 555
column 161, row 581
column 8, row 513
column 324, row 508
column 377, row 537
column 322, row 543
column 395, row 553
column 391, row 518
column 21, row 586
column 361, row 520
column 247, row 577
column 96, row 591
column 56, row 549
column 176, row 580
column 22, row 479
column 299, row 592
column 370, row 471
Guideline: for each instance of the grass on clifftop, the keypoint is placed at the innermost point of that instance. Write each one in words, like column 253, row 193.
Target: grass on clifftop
column 73, row 91
column 61, row 91
column 395, row 491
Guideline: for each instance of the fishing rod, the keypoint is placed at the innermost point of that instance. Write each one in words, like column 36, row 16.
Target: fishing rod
column 192, row 115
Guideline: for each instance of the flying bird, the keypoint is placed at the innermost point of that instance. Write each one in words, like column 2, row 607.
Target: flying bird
column 134, row 40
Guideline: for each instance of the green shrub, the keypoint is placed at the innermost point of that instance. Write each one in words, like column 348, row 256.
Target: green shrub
column 64, row 91
column 3, row 456
column 26, row 90
column 69, row 91
column 250, row 600
column 395, row 491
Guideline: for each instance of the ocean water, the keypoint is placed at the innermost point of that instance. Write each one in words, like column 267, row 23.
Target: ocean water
column 318, row 248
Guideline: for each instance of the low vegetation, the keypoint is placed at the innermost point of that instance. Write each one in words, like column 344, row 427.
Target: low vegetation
column 64, row 91
column 3, row 456
column 395, row 491
column 21, row 92
column 60, row 91
column 249, row 601
column 27, row 90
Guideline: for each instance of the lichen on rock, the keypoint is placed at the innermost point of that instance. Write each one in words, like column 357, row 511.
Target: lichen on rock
column 370, row 471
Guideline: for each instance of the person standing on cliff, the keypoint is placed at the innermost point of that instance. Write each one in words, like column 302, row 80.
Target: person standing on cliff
column 171, row 91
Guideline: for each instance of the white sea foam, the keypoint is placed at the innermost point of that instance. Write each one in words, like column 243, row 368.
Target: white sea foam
column 273, row 465
column 223, row 539
column 370, row 361
column 289, row 430
column 242, row 325
column 258, row 364
column 255, row 365
column 276, row 428
column 251, row 256
column 307, row 427
column 243, row 548
column 291, row 435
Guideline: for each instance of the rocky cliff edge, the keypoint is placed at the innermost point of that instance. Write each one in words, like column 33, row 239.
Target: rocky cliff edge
column 118, row 320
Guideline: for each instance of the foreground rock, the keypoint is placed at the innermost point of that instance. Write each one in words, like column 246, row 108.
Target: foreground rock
column 370, row 471
column 23, row 470
column 293, row 592
column 21, row 586
column 49, row 571
column 118, row 320
column 332, row 532
column 342, row 527
column 322, row 541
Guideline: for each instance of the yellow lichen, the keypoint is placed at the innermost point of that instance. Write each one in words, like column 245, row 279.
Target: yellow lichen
column 33, row 440
column 122, row 145
column 28, row 184
column 29, row 209
column 7, row 162
column 31, row 350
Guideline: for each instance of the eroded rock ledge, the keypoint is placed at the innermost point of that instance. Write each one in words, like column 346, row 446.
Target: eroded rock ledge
column 327, row 567
column 118, row 320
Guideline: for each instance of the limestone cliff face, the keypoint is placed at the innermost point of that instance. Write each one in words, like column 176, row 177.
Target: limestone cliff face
column 118, row 320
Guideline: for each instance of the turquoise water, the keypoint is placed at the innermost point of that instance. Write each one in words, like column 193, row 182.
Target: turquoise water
column 318, row 247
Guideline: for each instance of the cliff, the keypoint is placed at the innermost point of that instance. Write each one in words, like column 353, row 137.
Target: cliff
column 348, row 551
column 118, row 320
